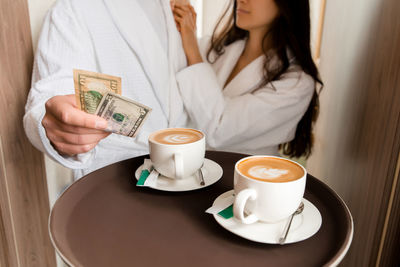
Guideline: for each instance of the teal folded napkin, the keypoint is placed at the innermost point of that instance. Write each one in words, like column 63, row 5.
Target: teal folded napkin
column 223, row 207
column 226, row 213
column 143, row 176
column 148, row 175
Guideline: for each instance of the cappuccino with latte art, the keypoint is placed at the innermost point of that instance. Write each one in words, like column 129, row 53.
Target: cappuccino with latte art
column 267, row 188
column 177, row 153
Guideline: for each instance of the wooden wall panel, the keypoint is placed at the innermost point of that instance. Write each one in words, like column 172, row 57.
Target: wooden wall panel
column 357, row 135
column 8, row 252
column 4, row 253
column 23, row 194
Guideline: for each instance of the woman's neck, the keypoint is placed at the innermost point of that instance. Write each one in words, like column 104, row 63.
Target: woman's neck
column 254, row 44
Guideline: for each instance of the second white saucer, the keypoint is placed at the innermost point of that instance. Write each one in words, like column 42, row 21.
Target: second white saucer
column 303, row 225
column 212, row 172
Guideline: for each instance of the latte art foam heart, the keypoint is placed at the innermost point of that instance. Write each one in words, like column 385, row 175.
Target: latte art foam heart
column 266, row 173
column 177, row 138
column 270, row 169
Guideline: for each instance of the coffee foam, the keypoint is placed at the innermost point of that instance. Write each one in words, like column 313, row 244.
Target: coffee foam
column 270, row 169
column 263, row 172
column 176, row 136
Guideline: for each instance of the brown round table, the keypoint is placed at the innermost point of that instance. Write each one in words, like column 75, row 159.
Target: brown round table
column 104, row 219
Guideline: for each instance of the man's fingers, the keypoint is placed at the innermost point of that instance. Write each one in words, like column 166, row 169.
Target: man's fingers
column 70, row 130
column 76, row 117
column 64, row 110
column 71, row 150
column 75, row 139
column 49, row 122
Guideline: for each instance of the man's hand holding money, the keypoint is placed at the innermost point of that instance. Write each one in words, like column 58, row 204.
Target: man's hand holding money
column 71, row 130
column 75, row 124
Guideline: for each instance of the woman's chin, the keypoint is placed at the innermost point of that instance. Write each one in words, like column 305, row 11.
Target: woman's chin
column 242, row 26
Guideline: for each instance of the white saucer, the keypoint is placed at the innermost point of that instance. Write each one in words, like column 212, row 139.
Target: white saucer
column 303, row 225
column 212, row 172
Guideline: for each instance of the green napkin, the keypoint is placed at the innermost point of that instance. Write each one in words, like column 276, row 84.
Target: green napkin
column 226, row 213
column 143, row 176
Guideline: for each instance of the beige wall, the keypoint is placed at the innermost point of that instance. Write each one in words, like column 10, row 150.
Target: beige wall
column 212, row 10
column 37, row 11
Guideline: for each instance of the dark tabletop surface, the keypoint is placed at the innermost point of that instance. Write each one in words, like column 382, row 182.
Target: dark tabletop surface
column 103, row 219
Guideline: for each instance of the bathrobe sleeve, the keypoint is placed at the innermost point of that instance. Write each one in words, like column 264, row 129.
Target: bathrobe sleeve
column 64, row 45
column 268, row 115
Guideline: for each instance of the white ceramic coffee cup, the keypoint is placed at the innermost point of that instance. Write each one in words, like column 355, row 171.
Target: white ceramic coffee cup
column 177, row 161
column 264, row 200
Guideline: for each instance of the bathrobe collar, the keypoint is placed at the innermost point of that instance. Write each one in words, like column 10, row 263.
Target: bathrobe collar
column 240, row 84
column 138, row 32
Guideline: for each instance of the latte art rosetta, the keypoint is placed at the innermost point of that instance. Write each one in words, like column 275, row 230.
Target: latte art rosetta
column 270, row 169
column 178, row 138
column 266, row 173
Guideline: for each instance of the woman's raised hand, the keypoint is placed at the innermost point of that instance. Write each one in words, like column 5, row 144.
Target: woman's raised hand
column 185, row 19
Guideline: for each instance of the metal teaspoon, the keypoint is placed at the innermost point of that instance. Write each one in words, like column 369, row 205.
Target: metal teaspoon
column 298, row 211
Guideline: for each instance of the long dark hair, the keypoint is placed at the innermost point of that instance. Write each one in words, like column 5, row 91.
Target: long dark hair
column 291, row 29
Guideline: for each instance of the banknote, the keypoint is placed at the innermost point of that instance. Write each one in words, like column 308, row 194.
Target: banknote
column 90, row 88
column 124, row 116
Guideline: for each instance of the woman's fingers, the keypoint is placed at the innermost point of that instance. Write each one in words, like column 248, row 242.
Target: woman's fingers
column 179, row 20
column 172, row 4
column 185, row 18
column 182, row 11
column 194, row 14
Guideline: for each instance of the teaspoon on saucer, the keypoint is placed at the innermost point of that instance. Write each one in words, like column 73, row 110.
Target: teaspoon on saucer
column 201, row 176
column 298, row 211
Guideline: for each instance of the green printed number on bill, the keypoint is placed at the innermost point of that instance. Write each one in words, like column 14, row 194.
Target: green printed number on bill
column 90, row 87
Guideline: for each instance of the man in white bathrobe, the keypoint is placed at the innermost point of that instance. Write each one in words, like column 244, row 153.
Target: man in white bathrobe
column 136, row 40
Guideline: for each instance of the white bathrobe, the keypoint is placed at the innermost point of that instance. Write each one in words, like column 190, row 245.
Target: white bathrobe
column 115, row 37
column 240, row 117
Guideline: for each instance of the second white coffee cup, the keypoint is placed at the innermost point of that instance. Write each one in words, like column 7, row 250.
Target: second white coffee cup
column 267, row 188
column 177, row 153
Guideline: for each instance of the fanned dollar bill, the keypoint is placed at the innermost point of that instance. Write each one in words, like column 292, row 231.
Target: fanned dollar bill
column 90, row 87
column 124, row 116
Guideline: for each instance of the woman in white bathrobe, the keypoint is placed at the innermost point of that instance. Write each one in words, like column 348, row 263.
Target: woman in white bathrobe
column 252, row 88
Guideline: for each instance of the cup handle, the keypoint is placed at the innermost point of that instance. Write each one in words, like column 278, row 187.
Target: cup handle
column 178, row 165
column 240, row 202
